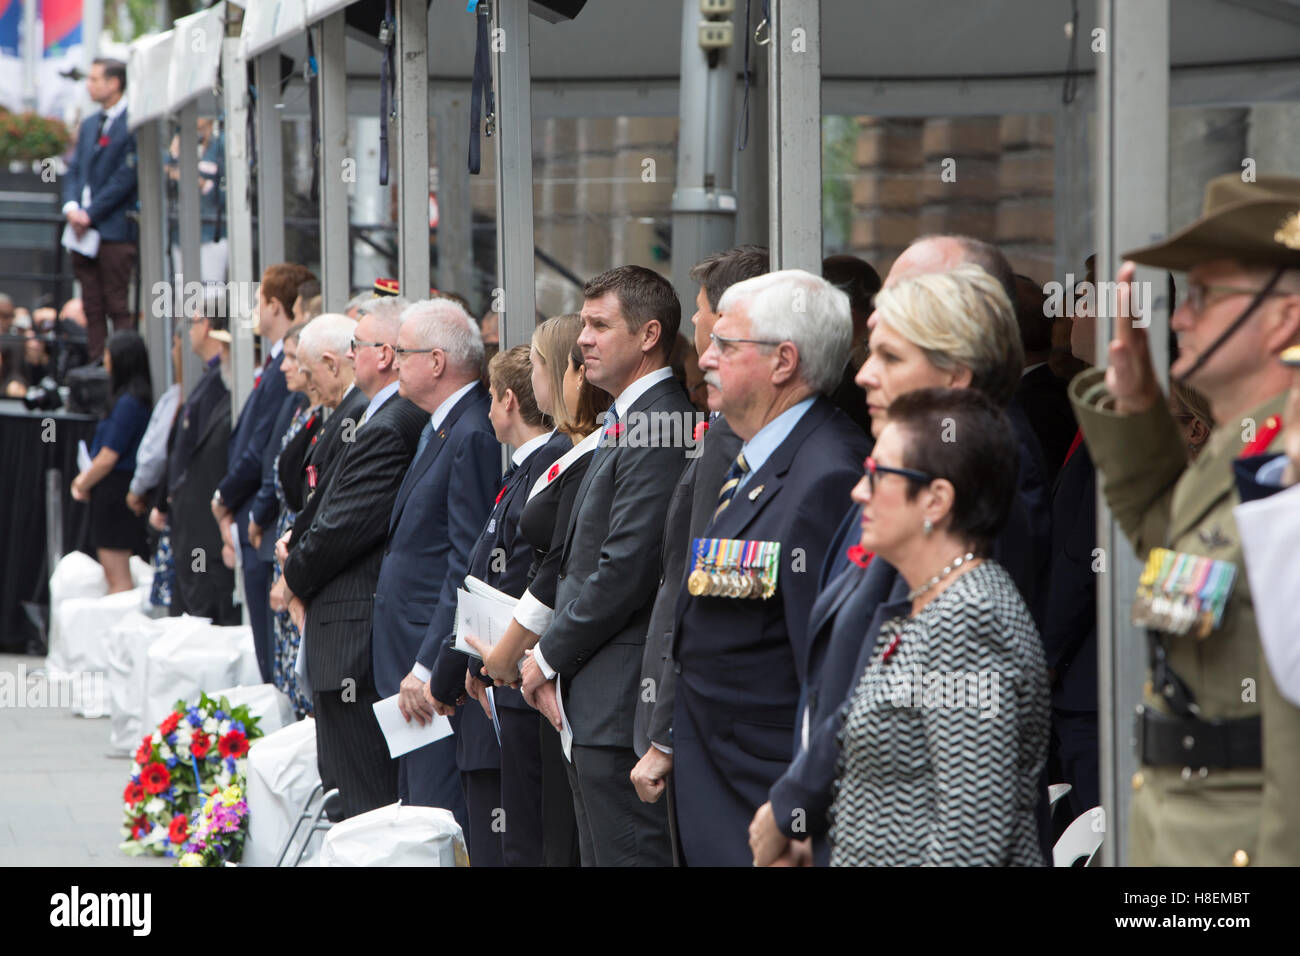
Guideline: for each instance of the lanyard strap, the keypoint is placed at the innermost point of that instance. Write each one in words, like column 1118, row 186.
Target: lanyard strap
column 482, row 85
column 1260, row 296
column 386, row 92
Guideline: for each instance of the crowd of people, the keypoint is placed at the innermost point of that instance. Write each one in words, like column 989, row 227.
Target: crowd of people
column 809, row 580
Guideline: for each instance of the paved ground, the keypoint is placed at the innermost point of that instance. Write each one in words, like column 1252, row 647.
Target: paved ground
column 60, row 791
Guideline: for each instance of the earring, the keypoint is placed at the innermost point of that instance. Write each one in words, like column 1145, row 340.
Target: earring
column 927, row 527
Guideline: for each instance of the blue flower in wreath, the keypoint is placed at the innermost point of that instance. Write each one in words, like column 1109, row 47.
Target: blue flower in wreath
column 172, row 761
column 238, row 725
column 230, row 764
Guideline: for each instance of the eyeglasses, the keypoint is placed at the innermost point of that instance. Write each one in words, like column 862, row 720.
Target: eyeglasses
column 404, row 352
column 873, row 470
column 357, row 346
column 725, row 344
column 1199, row 294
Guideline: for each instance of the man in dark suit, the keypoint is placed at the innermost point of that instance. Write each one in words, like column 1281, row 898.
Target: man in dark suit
column 204, row 585
column 860, row 282
column 606, row 586
column 777, row 352
column 689, row 512
column 1040, row 396
column 334, row 565
column 503, row 784
column 441, row 505
column 98, row 192
column 248, row 441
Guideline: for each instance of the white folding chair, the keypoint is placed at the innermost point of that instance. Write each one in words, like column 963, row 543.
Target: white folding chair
column 313, row 820
column 1055, row 792
column 1081, row 839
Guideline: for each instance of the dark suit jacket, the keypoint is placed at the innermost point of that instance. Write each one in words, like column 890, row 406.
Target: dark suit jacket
column 844, row 623
column 266, row 506
column 742, row 663
column 325, row 452
column 694, row 500
column 293, row 462
column 1070, row 631
column 1024, row 545
column 606, row 585
column 441, row 506
column 248, row 441
column 205, row 424
column 500, row 557
column 335, row 564
column 111, row 172
column 1041, row 398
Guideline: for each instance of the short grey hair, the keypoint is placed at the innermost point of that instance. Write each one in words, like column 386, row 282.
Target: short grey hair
column 959, row 317
column 796, row 306
column 387, row 313
column 330, row 332
column 444, row 324
column 360, row 299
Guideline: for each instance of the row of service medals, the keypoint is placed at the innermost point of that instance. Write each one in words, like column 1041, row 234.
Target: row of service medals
column 733, row 568
column 1182, row 593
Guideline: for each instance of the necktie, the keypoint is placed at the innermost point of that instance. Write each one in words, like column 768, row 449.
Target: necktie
column 424, row 441
column 739, row 468
column 103, row 117
column 611, row 423
column 365, row 417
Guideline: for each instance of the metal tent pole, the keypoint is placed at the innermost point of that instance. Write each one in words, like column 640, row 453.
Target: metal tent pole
column 239, row 224
column 1132, row 209
column 514, row 155
column 704, row 203
column 794, row 135
column 412, row 131
column 334, row 239
column 188, row 226
column 270, row 160
column 155, row 287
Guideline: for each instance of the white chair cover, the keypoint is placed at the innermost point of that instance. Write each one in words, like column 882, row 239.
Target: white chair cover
column 179, row 666
column 127, row 647
column 396, row 836
column 281, row 773
column 266, row 701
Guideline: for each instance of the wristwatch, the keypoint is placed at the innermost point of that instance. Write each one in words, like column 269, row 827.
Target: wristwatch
column 216, row 498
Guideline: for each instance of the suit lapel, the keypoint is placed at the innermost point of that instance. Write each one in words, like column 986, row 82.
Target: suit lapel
column 765, row 483
column 431, row 452
column 829, row 601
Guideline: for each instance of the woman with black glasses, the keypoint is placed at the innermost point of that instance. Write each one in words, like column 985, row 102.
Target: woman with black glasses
column 945, row 736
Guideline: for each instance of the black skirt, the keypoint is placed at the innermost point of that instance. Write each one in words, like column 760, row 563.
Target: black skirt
column 112, row 524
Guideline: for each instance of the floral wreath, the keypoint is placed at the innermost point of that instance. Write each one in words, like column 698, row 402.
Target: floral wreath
column 196, row 751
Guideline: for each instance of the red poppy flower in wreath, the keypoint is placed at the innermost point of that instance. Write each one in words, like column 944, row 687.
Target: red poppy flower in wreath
column 133, row 793
column 139, row 827
column 155, row 778
column 169, row 725
column 234, row 744
column 144, row 752
column 200, row 744
column 179, row 829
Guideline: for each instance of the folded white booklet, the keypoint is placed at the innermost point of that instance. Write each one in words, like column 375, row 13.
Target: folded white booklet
column 403, row 736
column 87, row 243
column 481, row 611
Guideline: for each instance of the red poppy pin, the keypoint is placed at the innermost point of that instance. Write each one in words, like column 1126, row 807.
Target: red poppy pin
column 893, row 646
column 701, row 427
column 103, row 141
column 499, row 495
column 860, row 555
column 550, row 475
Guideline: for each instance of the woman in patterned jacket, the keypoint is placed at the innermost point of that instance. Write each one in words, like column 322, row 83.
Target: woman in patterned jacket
column 945, row 736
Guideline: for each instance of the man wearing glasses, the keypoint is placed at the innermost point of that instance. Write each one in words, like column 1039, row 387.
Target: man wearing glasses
column 777, row 351
column 1215, row 738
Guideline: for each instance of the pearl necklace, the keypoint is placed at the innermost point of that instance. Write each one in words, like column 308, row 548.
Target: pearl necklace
column 915, row 593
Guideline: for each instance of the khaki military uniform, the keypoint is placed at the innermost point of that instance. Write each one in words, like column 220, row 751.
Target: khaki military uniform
column 1195, row 816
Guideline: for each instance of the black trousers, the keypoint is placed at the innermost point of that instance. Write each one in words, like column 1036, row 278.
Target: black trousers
column 559, row 825
column 257, row 592
column 615, row 828
column 521, row 786
column 486, row 822
column 1074, row 745
column 351, row 753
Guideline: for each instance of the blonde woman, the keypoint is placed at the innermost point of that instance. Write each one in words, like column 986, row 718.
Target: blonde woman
column 562, row 391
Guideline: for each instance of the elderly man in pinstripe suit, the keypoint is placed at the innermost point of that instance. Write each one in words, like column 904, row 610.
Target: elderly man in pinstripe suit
column 334, row 567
